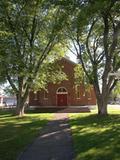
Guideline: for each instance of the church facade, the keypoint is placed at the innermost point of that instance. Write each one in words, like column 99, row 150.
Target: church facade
column 65, row 93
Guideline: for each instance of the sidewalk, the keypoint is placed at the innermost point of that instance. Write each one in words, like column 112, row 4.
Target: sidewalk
column 53, row 143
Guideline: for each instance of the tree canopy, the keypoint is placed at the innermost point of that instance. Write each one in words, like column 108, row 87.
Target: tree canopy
column 31, row 33
column 93, row 32
column 29, row 38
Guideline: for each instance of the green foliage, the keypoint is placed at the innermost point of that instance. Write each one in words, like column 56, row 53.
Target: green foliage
column 78, row 74
column 30, row 35
column 116, row 91
column 8, row 90
column 31, row 30
column 96, row 137
column 51, row 72
column 80, row 77
column 93, row 29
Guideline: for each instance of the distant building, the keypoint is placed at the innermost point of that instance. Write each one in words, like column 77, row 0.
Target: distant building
column 65, row 93
column 7, row 100
column 1, row 100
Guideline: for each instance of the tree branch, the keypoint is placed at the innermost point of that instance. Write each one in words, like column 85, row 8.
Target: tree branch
column 87, row 40
column 44, row 55
column 12, row 84
column 115, row 38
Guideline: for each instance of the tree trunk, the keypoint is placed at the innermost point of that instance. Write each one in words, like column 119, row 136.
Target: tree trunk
column 102, row 105
column 20, row 106
column 20, row 111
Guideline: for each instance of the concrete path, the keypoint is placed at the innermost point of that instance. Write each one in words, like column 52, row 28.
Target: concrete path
column 53, row 143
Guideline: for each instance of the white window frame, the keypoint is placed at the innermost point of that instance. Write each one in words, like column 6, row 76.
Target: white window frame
column 61, row 92
column 45, row 98
column 89, row 95
column 35, row 96
column 84, row 94
column 78, row 91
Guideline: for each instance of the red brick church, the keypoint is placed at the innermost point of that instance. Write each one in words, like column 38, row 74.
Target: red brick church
column 65, row 93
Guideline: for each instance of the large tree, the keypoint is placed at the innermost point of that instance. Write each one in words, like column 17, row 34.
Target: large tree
column 93, row 30
column 29, row 33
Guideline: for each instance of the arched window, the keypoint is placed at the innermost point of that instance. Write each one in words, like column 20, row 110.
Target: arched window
column 35, row 95
column 89, row 94
column 61, row 90
column 78, row 91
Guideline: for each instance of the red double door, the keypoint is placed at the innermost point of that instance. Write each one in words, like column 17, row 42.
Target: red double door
column 62, row 99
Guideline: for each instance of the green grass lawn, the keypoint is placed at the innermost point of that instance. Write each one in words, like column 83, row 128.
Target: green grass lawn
column 16, row 133
column 96, row 138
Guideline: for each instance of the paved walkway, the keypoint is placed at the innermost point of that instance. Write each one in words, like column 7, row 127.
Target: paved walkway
column 53, row 143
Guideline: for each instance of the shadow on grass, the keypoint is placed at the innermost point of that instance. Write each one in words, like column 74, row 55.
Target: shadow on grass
column 96, row 137
column 16, row 133
column 4, row 113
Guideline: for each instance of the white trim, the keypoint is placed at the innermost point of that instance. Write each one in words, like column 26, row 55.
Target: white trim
column 89, row 95
column 84, row 94
column 61, row 92
column 69, row 60
column 45, row 98
column 89, row 98
column 77, row 91
column 35, row 96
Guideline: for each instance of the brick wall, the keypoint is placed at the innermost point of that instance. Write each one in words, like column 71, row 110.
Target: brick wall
column 51, row 100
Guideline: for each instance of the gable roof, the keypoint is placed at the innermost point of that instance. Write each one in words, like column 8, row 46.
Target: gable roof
column 69, row 61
